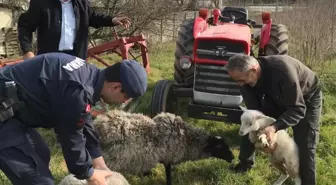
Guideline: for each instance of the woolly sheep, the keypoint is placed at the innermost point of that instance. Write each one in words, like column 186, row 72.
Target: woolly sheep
column 115, row 179
column 285, row 156
column 134, row 143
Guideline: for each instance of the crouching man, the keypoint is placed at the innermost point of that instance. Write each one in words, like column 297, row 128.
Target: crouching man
column 57, row 90
column 284, row 88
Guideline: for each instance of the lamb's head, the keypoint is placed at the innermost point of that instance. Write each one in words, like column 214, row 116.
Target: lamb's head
column 253, row 120
column 196, row 143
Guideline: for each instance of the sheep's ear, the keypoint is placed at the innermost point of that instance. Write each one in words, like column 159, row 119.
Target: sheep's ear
column 243, row 108
column 213, row 139
column 264, row 120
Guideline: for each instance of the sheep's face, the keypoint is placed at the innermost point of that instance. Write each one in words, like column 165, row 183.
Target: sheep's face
column 249, row 122
column 253, row 120
column 217, row 147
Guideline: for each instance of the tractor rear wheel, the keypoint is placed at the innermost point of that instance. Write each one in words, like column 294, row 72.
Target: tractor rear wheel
column 278, row 42
column 162, row 98
column 184, row 47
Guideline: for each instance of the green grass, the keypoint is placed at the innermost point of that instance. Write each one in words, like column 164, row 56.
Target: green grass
column 213, row 171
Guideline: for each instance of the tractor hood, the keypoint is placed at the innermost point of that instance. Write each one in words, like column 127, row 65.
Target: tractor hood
column 218, row 43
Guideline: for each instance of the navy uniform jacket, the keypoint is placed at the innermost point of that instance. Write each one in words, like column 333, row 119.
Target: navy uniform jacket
column 60, row 90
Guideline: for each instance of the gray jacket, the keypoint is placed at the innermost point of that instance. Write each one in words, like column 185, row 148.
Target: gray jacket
column 286, row 85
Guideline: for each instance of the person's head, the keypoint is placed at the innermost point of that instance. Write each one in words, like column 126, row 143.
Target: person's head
column 244, row 69
column 124, row 80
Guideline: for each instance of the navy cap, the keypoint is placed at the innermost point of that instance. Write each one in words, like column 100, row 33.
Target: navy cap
column 133, row 78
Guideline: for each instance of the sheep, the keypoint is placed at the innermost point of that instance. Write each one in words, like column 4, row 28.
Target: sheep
column 115, row 179
column 284, row 157
column 133, row 143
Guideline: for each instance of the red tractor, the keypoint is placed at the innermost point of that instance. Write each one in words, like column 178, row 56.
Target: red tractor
column 203, row 48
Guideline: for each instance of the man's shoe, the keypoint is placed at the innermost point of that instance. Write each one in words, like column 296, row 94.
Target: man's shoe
column 241, row 167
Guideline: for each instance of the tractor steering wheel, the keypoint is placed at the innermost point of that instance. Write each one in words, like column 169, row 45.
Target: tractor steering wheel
column 233, row 17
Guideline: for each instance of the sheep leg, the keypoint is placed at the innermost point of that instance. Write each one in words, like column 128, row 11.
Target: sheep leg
column 282, row 168
column 263, row 139
column 168, row 173
column 281, row 179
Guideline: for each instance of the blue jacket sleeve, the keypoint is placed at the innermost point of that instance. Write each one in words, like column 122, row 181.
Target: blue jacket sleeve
column 71, row 111
column 92, row 138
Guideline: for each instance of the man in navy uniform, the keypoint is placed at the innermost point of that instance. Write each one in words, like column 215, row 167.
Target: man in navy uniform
column 57, row 90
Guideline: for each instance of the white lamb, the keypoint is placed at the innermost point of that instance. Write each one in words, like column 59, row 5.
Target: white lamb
column 135, row 143
column 285, row 156
column 115, row 179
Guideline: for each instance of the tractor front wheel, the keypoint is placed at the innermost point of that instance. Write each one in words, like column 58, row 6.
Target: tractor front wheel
column 162, row 98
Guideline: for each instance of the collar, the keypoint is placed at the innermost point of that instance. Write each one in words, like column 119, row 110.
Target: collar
column 263, row 76
column 98, row 85
column 65, row 1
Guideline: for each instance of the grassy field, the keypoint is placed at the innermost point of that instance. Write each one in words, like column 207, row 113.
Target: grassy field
column 213, row 171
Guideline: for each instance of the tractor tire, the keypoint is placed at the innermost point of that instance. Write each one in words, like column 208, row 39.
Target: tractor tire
column 184, row 47
column 162, row 99
column 278, row 43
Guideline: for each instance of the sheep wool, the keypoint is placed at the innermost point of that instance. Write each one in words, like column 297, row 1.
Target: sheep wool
column 134, row 143
column 115, row 179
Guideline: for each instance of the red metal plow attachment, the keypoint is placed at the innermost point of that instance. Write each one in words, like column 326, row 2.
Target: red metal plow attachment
column 122, row 46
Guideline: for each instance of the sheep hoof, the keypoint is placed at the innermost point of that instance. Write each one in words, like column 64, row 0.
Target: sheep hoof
column 265, row 145
column 263, row 139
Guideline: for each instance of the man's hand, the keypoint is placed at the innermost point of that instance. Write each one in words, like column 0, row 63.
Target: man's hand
column 122, row 20
column 99, row 163
column 269, row 131
column 269, row 149
column 268, row 135
column 28, row 55
column 99, row 177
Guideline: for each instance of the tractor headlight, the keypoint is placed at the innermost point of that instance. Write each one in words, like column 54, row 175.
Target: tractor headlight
column 185, row 62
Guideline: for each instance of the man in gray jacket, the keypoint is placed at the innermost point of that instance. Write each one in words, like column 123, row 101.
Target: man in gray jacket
column 284, row 88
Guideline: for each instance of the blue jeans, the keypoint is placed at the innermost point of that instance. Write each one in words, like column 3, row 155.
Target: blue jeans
column 24, row 156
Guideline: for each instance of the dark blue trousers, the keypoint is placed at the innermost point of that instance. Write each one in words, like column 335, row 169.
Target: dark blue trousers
column 24, row 156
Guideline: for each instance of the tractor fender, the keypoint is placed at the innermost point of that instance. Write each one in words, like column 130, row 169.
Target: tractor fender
column 200, row 25
column 265, row 33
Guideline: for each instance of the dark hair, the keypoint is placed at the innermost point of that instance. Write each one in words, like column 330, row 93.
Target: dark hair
column 112, row 73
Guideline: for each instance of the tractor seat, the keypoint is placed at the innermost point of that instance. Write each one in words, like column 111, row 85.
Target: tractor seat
column 241, row 14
